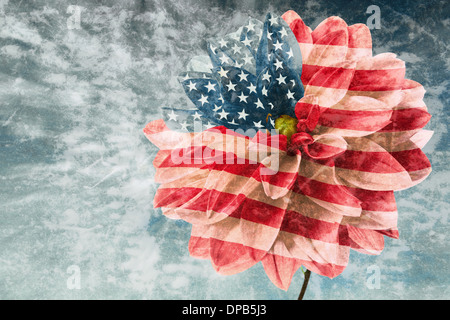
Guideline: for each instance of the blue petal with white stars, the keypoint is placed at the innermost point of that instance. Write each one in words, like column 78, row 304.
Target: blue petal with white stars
column 255, row 78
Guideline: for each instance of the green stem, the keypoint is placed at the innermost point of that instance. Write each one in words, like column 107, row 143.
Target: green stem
column 305, row 284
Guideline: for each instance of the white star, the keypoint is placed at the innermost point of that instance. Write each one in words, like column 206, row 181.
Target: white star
column 266, row 76
column 222, row 43
column 259, row 104
column 248, row 59
column 236, row 48
column 252, row 88
column 231, row 86
column 243, row 115
column 251, row 26
column 273, row 20
column 238, row 65
column 279, row 64
column 290, row 95
column 290, row 53
column 216, row 108
column 203, row 100
column 232, row 122
column 246, row 41
column 221, row 99
column 196, row 116
column 283, row 32
column 258, row 124
column 223, row 73
column 278, row 45
column 210, row 86
column 172, row 116
column 269, row 35
column 224, row 58
column 293, row 82
column 209, row 125
column 191, row 86
column 243, row 97
column 186, row 76
column 223, row 114
column 237, row 35
column 271, row 105
column 272, row 122
column 281, row 79
column 213, row 49
column 184, row 125
column 243, row 76
column 264, row 91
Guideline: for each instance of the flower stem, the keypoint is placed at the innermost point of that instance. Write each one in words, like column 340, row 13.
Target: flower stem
column 305, row 284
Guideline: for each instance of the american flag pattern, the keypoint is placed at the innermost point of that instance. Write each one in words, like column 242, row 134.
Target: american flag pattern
column 334, row 195
column 254, row 77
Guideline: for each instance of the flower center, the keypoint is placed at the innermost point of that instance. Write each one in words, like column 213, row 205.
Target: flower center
column 286, row 125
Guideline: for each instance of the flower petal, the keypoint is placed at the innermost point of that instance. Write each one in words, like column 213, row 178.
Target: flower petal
column 379, row 210
column 329, row 50
column 367, row 165
column 290, row 16
column 380, row 77
column 330, row 25
column 330, row 84
column 365, row 240
column 326, row 146
column 279, row 173
column 359, row 42
column 227, row 253
column 326, row 259
column 354, row 116
column 303, row 35
column 280, row 270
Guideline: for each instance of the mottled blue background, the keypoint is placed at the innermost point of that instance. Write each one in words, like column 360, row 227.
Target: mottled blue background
column 76, row 173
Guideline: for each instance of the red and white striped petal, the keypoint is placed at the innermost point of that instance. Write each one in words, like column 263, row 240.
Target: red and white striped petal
column 359, row 42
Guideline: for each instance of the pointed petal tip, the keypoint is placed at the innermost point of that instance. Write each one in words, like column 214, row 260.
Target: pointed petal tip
column 290, row 16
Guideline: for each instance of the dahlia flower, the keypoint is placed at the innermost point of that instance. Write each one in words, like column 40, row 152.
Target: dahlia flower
column 307, row 137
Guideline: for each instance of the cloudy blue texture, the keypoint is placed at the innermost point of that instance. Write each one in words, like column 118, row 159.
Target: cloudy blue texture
column 76, row 170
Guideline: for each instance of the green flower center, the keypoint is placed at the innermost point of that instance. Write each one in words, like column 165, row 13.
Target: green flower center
column 286, row 125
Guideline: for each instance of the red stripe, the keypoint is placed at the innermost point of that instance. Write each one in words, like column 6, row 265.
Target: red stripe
column 310, row 228
column 375, row 162
column 354, row 120
column 281, row 179
column 327, row 192
column 199, row 247
column 392, row 233
column 379, row 162
column 226, row 203
column 254, row 211
column 359, row 36
column 301, row 31
column 323, row 269
column 407, row 119
column 412, row 160
column 375, row 200
column 365, row 240
column 330, row 26
column 237, row 257
column 226, row 257
column 378, row 80
column 363, row 80
column 332, row 75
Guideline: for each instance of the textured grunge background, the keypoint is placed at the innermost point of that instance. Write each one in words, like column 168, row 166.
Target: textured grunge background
column 76, row 175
